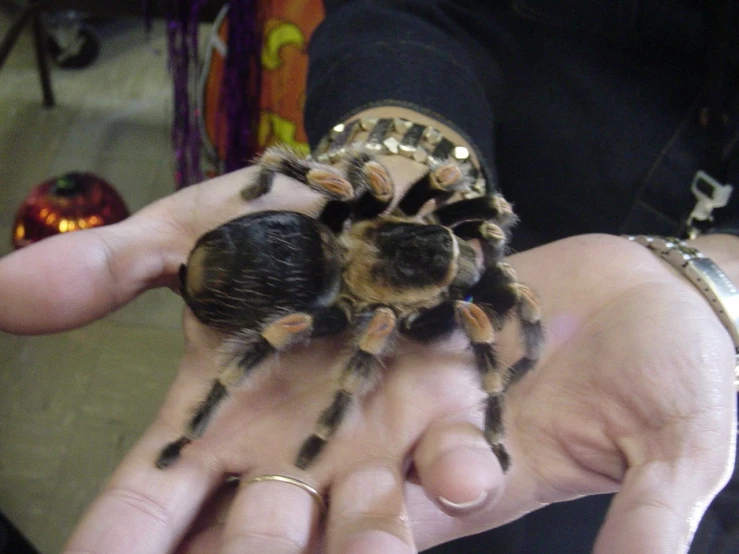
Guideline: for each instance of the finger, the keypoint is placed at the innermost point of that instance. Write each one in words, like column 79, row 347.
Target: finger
column 657, row 510
column 75, row 278
column 206, row 533
column 368, row 513
column 144, row 510
column 207, row 541
column 444, row 449
column 272, row 517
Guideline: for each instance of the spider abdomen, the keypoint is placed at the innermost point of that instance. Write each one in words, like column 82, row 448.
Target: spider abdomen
column 253, row 267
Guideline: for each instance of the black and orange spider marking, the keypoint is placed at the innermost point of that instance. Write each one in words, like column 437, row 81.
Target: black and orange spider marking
column 369, row 264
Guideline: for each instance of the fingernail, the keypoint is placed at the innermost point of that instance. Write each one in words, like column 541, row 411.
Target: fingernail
column 464, row 506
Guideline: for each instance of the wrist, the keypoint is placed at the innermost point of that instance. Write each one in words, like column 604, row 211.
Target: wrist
column 392, row 112
column 723, row 249
column 698, row 262
column 408, row 142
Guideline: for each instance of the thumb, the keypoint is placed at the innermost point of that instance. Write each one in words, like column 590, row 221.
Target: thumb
column 71, row 279
column 658, row 508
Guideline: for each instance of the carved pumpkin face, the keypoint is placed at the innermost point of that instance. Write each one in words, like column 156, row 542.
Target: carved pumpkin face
column 68, row 203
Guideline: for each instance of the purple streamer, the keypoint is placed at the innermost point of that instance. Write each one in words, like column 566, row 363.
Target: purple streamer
column 242, row 83
column 195, row 142
column 182, row 42
column 240, row 89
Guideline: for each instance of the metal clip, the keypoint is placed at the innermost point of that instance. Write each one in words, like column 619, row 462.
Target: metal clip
column 709, row 195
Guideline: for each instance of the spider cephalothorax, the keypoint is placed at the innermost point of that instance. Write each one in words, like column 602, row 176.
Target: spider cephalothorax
column 371, row 263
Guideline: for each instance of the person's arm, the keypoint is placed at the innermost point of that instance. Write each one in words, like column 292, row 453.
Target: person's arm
column 430, row 56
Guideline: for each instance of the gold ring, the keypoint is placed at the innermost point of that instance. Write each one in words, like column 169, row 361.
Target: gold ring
column 292, row 481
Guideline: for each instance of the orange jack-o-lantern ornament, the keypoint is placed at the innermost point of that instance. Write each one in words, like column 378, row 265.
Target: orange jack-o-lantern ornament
column 68, row 203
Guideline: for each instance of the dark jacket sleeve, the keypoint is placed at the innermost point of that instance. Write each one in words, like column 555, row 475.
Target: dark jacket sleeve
column 730, row 226
column 423, row 54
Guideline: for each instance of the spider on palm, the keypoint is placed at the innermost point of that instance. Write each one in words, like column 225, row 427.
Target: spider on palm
column 375, row 266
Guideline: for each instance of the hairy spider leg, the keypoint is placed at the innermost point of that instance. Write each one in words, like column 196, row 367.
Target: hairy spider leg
column 493, row 208
column 439, row 184
column 276, row 336
column 182, row 278
column 492, row 237
column 373, row 188
column 479, row 329
column 334, row 215
column 371, row 343
column 432, row 323
column 319, row 177
column 499, row 290
column 369, row 177
column 330, row 321
column 529, row 313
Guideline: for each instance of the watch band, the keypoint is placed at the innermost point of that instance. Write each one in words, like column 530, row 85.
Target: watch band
column 707, row 277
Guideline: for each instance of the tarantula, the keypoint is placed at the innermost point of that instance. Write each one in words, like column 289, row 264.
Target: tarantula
column 369, row 263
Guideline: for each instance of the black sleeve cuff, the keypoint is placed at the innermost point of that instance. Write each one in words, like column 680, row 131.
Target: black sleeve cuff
column 729, row 227
column 367, row 54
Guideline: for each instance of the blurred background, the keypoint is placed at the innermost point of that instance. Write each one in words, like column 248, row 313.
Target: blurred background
column 72, row 404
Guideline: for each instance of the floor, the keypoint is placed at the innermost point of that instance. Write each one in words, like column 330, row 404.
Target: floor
column 72, row 404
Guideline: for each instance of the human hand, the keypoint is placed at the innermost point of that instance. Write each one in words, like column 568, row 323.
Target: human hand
column 633, row 395
column 147, row 510
column 429, row 397
column 630, row 397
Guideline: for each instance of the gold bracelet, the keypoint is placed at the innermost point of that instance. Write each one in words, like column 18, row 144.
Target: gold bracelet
column 707, row 278
column 396, row 136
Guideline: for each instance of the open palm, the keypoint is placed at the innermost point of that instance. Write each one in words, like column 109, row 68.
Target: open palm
column 633, row 395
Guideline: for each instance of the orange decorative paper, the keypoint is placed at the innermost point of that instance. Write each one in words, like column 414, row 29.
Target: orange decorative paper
column 284, row 62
